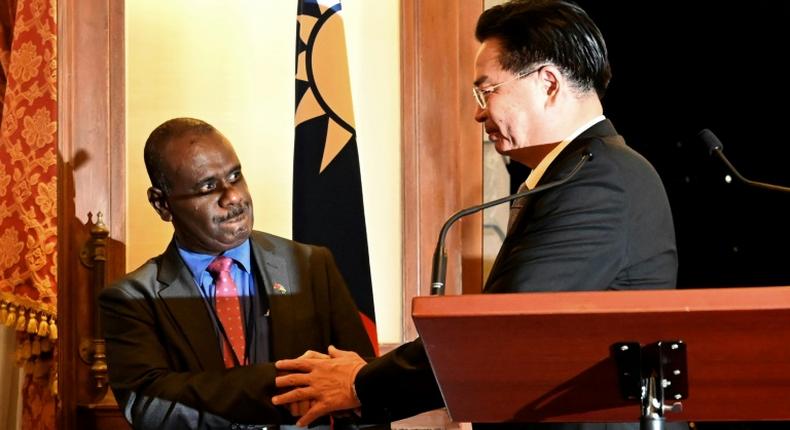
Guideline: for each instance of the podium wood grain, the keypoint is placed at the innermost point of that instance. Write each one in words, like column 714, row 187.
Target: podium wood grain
column 545, row 356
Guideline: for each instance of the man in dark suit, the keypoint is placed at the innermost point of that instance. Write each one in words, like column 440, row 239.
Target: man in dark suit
column 541, row 70
column 184, row 354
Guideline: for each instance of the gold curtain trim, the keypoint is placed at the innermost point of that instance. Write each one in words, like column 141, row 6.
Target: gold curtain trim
column 48, row 309
column 26, row 317
column 37, row 332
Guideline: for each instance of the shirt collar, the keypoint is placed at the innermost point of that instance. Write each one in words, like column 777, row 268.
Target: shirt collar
column 537, row 173
column 198, row 262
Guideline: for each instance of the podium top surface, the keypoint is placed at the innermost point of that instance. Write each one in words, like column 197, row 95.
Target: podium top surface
column 546, row 356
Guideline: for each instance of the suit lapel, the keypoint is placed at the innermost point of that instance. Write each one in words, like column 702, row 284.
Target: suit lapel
column 188, row 308
column 281, row 293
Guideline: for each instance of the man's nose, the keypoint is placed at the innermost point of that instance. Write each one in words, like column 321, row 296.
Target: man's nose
column 231, row 195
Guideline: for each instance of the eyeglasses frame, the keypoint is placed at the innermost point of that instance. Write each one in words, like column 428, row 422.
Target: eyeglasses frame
column 481, row 94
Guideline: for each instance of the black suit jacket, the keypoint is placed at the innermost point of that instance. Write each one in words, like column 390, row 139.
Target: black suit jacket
column 609, row 227
column 165, row 363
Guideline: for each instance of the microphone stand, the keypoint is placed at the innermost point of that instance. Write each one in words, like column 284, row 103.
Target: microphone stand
column 439, row 266
column 715, row 147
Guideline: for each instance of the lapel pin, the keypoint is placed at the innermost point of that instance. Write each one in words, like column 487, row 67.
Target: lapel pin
column 279, row 289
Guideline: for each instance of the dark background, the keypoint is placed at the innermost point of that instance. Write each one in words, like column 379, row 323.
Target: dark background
column 679, row 67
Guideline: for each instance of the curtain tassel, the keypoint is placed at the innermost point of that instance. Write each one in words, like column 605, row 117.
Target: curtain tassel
column 43, row 326
column 11, row 318
column 36, row 348
column 32, row 322
column 53, row 329
column 21, row 320
column 3, row 311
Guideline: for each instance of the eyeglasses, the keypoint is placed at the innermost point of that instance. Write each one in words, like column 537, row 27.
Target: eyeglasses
column 481, row 95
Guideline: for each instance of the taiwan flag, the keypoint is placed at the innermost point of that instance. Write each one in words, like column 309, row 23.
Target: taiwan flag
column 327, row 191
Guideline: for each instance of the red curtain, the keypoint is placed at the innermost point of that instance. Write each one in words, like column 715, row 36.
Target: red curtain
column 28, row 197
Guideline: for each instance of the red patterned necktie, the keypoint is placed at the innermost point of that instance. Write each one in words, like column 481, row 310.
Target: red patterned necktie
column 228, row 309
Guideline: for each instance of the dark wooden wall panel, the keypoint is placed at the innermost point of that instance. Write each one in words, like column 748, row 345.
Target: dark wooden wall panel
column 442, row 145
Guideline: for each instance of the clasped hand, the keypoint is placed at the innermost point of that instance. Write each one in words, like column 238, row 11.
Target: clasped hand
column 318, row 383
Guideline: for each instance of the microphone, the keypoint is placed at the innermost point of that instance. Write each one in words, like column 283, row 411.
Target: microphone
column 439, row 267
column 715, row 147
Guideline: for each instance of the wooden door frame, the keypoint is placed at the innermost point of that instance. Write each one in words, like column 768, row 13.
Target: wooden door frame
column 91, row 177
column 442, row 148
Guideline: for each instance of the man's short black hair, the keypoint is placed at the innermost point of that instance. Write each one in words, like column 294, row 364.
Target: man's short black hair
column 549, row 31
column 158, row 140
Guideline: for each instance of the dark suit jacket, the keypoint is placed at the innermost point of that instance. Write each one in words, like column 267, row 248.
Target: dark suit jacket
column 608, row 228
column 165, row 363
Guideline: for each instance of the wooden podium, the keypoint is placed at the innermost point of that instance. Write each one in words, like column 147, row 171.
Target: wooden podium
column 551, row 357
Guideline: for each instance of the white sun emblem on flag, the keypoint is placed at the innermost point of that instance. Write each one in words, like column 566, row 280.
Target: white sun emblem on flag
column 322, row 64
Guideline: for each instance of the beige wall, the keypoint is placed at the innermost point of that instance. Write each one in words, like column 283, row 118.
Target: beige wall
column 231, row 63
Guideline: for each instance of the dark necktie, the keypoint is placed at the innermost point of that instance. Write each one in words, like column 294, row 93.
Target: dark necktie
column 516, row 207
column 228, row 310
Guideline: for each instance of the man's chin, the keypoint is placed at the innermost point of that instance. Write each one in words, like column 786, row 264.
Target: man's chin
column 241, row 234
column 503, row 146
column 234, row 238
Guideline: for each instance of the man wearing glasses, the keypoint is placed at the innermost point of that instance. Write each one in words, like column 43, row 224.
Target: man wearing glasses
column 541, row 70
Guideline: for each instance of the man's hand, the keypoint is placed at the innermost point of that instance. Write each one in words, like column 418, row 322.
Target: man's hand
column 326, row 383
column 297, row 409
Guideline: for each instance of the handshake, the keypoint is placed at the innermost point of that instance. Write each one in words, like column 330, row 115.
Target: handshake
column 317, row 384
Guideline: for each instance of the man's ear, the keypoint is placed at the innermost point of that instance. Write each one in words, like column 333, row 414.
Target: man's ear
column 159, row 202
column 551, row 78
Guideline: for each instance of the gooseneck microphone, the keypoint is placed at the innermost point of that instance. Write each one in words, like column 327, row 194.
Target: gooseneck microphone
column 715, row 147
column 439, row 267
